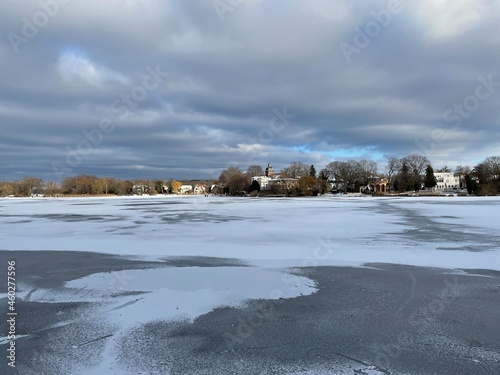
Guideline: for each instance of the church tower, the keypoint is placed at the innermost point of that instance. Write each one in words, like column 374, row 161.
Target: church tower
column 269, row 171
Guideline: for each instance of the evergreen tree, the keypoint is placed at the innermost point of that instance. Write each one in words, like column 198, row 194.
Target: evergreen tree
column 430, row 179
column 312, row 171
column 323, row 175
column 471, row 183
column 255, row 186
column 404, row 183
column 395, row 185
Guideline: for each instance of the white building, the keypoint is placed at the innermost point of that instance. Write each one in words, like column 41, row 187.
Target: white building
column 186, row 189
column 200, row 189
column 446, row 180
column 140, row 189
column 262, row 180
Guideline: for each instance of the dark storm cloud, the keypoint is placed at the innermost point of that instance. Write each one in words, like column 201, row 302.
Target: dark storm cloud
column 232, row 74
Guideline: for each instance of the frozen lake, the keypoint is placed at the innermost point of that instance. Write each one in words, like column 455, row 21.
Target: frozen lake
column 453, row 232
column 203, row 285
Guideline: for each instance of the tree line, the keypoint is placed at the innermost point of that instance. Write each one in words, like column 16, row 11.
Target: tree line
column 410, row 173
column 90, row 185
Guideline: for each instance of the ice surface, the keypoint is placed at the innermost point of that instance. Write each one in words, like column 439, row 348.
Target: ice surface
column 176, row 292
column 452, row 232
column 269, row 235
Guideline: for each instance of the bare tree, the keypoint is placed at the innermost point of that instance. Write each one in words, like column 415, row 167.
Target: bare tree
column 417, row 165
column 345, row 172
column 98, row 186
column 233, row 180
column 296, row 169
column 85, row 184
column 124, row 187
column 6, row 189
column 445, row 169
column 368, row 170
column 461, row 171
column 309, row 186
column 393, row 167
column 227, row 173
column 52, row 189
column 487, row 175
column 255, row 170
column 492, row 168
column 69, row 185
column 30, row 185
column 353, row 172
column 334, row 170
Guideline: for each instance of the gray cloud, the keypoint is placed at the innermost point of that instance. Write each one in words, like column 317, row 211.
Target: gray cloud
column 226, row 77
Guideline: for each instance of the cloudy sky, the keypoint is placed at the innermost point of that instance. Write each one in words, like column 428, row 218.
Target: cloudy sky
column 182, row 89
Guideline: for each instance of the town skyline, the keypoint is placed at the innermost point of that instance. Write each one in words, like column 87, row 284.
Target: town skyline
column 411, row 173
column 381, row 170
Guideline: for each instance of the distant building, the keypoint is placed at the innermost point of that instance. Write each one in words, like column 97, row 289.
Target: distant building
column 378, row 185
column 262, row 180
column 375, row 185
column 185, row 189
column 200, row 189
column 336, row 185
column 269, row 171
column 140, row 189
column 283, row 183
column 271, row 179
column 446, row 181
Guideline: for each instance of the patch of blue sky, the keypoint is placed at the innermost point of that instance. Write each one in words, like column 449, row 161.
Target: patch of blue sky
column 344, row 154
column 76, row 51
